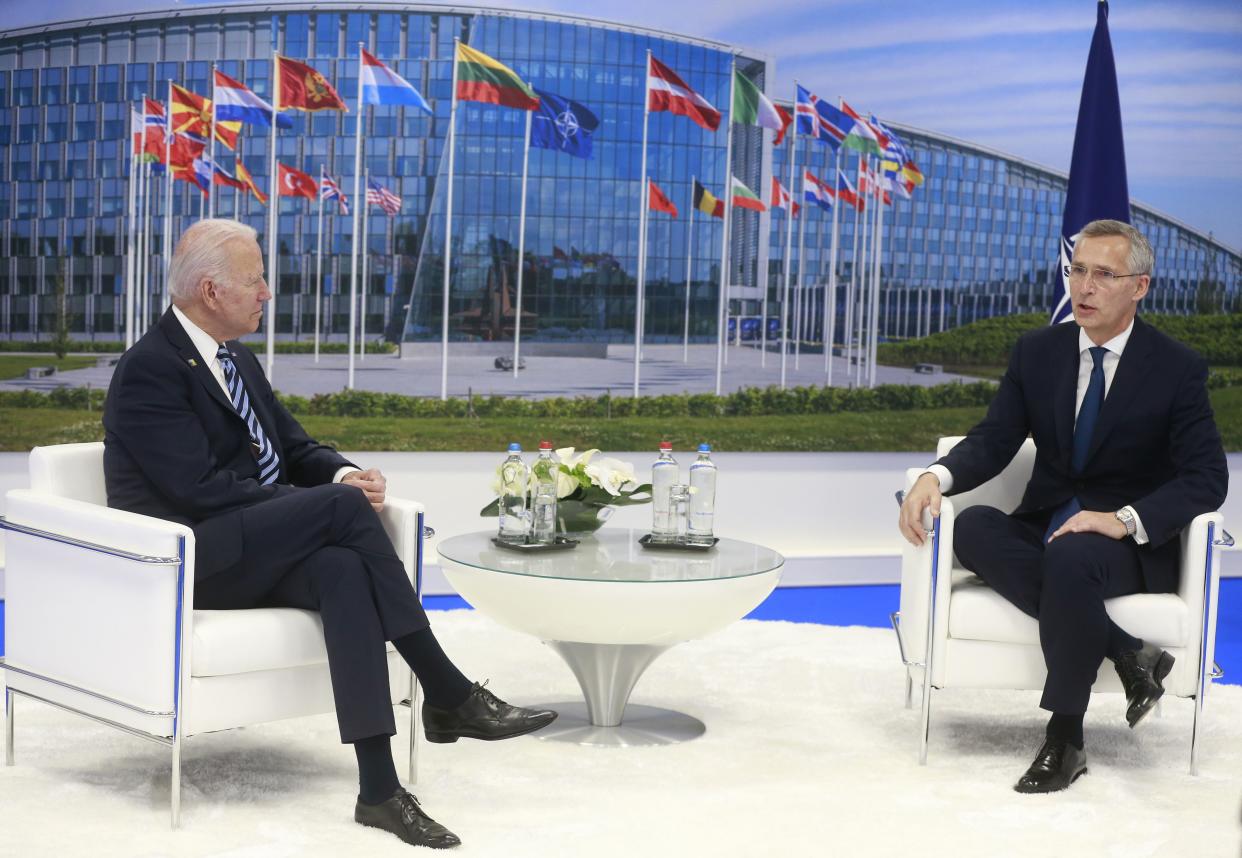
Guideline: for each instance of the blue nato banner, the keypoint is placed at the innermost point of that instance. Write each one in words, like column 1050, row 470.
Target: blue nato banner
column 1097, row 177
column 563, row 125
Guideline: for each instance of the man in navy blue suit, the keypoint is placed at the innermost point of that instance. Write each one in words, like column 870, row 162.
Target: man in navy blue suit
column 1127, row 453
column 194, row 434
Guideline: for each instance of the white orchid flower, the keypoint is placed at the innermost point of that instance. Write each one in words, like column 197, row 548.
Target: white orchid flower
column 566, row 484
column 610, row 474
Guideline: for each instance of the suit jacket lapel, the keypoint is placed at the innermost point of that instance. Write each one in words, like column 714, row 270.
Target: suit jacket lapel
column 180, row 341
column 1132, row 369
column 1064, row 393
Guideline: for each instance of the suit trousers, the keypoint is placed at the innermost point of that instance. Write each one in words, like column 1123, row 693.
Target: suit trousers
column 324, row 549
column 1063, row 584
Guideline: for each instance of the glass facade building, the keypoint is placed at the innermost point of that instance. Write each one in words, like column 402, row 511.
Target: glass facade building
column 979, row 238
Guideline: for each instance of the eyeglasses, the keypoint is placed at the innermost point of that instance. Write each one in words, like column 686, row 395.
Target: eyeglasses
column 1079, row 274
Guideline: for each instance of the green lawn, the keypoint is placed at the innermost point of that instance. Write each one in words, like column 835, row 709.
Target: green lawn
column 881, row 431
column 15, row 366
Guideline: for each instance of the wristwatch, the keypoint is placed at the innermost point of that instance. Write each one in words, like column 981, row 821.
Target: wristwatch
column 1126, row 517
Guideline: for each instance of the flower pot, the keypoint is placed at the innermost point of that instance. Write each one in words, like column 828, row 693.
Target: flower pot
column 577, row 517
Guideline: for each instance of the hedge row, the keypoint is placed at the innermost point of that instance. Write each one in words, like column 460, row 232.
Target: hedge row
column 1217, row 337
column 111, row 347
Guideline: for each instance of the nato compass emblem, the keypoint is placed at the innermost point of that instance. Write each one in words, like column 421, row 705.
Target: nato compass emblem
column 567, row 127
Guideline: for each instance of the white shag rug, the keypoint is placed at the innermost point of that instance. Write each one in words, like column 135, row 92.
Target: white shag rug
column 808, row 751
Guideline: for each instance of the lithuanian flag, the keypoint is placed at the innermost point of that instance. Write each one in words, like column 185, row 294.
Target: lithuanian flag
column 481, row 78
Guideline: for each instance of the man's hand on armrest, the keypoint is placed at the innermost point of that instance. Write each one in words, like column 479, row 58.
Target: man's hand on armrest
column 372, row 483
column 924, row 494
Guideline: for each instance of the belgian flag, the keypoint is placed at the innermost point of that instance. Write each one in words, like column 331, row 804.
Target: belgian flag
column 707, row 202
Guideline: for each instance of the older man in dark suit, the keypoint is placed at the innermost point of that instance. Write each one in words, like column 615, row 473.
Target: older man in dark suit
column 194, row 434
column 1127, row 453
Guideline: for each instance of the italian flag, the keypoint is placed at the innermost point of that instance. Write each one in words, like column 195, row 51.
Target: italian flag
column 751, row 107
column 481, row 78
column 745, row 198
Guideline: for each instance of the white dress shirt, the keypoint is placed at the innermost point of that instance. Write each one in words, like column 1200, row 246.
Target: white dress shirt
column 1112, row 357
column 207, row 348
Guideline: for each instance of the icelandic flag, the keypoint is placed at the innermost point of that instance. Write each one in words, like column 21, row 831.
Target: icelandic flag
column 819, row 119
column 235, row 102
column 563, row 125
column 1097, row 177
column 382, row 85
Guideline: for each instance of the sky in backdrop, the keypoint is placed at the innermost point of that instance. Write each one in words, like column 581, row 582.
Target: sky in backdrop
column 1002, row 74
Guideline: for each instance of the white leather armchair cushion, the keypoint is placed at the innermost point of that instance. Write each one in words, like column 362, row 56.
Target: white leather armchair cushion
column 977, row 612
column 228, row 642
column 70, row 471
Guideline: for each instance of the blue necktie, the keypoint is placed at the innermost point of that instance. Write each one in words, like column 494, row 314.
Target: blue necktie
column 269, row 461
column 1084, row 428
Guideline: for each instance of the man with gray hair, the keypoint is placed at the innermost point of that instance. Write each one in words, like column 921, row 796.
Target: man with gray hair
column 1127, row 453
column 194, row 434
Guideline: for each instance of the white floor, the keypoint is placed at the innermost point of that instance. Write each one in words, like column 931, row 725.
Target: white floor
column 808, row 752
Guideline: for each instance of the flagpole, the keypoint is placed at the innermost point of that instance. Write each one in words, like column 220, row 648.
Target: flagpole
column 319, row 266
column 875, row 285
column 273, row 218
column 644, row 202
column 448, row 228
column 847, row 331
column 863, row 275
column 130, row 249
column 359, row 211
column 211, row 150
column 793, row 157
column 521, row 266
column 144, row 249
column 366, row 265
column 830, row 295
column 722, row 299
column 168, row 180
column 685, row 336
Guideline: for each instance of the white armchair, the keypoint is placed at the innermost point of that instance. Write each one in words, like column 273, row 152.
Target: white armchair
column 955, row 631
column 101, row 620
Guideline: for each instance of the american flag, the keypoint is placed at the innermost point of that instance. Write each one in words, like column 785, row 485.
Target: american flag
column 380, row 196
column 330, row 190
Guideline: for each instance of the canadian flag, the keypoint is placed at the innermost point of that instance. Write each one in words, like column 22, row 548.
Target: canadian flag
column 295, row 183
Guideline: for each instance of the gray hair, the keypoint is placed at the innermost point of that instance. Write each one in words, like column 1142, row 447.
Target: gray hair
column 200, row 255
column 1141, row 259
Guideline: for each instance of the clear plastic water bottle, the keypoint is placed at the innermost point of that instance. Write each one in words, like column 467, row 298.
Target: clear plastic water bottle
column 543, row 495
column 665, row 473
column 514, row 478
column 702, row 496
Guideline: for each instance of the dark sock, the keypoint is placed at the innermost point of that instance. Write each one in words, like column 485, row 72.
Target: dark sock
column 1067, row 728
column 1119, row 641
column 442, row 682
column 377, row 776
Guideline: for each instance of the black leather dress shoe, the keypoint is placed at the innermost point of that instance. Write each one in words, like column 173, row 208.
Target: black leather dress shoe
column 401, row 815
column 1057, row 765
column 1142, row 675
column 482, row 716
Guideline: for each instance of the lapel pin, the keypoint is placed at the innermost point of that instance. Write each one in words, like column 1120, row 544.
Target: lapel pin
column 193, row 362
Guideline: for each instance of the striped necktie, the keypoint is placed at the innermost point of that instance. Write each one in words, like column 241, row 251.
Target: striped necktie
column 269, row 460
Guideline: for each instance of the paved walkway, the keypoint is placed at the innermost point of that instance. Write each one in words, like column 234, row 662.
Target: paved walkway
column 662, row 371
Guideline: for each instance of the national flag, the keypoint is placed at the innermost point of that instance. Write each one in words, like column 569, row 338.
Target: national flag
column 819, row 119
column 191, row 114
column 293, row 182
column 667, row 91
column 481, row 78
column 861, row 137
column 752, row 107
column 382, row 85
column 330, row 190
column 895, row 148
column 657, row 201
column 1097, row 176
column 745, row 198
column 243, row 176
column 816, row 191
column 235, row 102
column 781, row 198
column 378, row 195
column 786, row 121
column 300, row 87
column 707, row 202
column 220, row 175
column 846, row 193
column 563, row 125
column 912, row 174
column 183, row 149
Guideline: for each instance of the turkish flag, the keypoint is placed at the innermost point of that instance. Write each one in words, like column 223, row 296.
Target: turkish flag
column 303, row 88
column 295, row 183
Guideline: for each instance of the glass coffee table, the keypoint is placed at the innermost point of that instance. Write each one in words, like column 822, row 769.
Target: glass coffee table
column 610, row 607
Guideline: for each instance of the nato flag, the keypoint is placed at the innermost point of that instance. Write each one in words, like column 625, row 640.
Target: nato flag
column 563, row 125
column 1097, row 177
